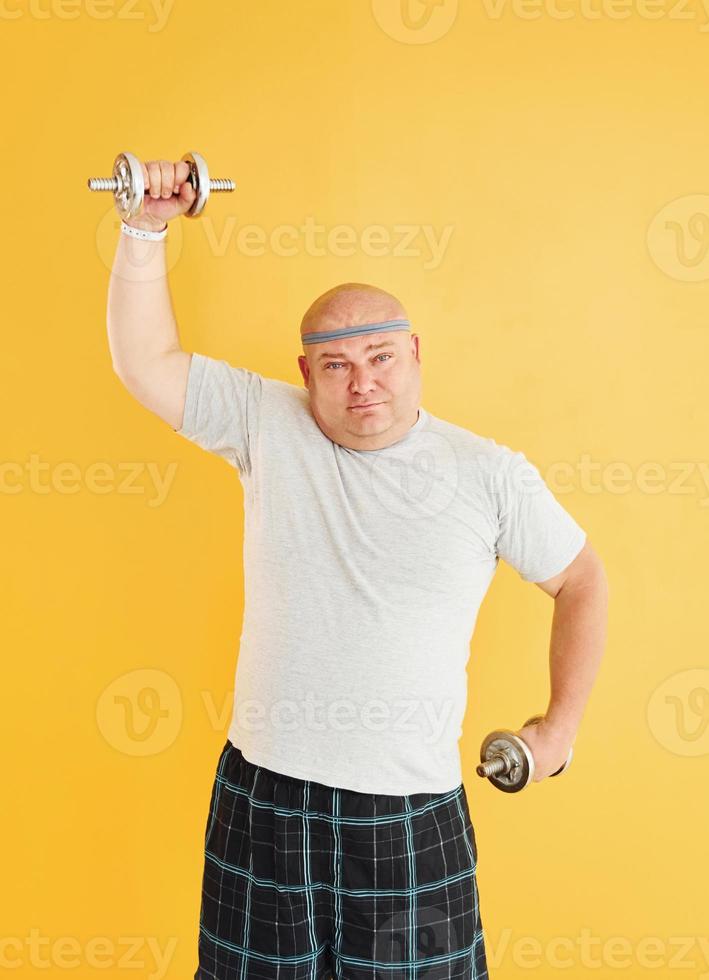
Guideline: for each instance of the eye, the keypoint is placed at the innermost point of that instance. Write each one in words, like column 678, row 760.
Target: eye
column 338, row 363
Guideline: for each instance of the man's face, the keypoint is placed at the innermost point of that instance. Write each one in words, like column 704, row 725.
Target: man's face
column 344, row 373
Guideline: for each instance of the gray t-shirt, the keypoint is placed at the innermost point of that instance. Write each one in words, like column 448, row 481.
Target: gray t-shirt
column 363, row 574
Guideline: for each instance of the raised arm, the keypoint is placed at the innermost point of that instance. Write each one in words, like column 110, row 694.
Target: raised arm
column 142, row 331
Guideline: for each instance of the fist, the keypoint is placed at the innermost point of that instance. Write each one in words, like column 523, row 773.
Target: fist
column 168, row 194
column 550, row 748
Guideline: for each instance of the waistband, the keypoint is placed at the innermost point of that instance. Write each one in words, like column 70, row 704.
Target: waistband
column 268, row 788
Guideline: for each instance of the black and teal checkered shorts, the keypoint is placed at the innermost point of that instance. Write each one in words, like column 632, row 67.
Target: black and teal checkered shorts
column 304, row 881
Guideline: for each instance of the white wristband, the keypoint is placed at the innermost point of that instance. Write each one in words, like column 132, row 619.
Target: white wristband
column 151, row 236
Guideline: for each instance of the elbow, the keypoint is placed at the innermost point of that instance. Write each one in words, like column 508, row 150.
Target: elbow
column 127, row 379
column 120, row 373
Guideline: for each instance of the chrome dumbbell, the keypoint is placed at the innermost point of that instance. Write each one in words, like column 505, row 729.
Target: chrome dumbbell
column 128, row 187
column 507, row 761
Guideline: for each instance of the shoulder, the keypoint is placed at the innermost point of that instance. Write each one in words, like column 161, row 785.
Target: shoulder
column 286, row 395
column 286, row 412
column 488, row 468
column 475, row 448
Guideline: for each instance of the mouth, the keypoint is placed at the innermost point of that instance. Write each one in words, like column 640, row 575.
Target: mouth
column 359, row 408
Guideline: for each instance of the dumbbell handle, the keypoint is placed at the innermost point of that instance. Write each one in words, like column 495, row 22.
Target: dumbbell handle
column 500, row 764
column 114, row 184
column 492, row 767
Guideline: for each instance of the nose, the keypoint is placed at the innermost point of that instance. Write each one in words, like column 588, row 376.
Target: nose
column 362, row 380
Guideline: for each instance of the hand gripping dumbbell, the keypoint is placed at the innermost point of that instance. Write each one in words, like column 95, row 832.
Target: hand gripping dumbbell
column 507, row 761
column 128, row 186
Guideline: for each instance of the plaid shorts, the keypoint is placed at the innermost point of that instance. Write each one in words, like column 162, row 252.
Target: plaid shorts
column 304, row 881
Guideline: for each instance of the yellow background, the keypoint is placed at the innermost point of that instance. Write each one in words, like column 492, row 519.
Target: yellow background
column 566, row 318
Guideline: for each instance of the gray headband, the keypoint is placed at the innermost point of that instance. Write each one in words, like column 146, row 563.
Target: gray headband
column 384, row 327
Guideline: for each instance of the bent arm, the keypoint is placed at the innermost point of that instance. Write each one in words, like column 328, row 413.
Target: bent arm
column 578, row 638
column 142, row 331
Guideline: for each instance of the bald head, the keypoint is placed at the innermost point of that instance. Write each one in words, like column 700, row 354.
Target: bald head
column 348, row 305
column 361, row 400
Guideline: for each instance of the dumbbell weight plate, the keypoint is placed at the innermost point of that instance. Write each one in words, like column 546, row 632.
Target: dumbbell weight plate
column 199, row 178
column 534, row 720
column 520, row 768
column 131, row 186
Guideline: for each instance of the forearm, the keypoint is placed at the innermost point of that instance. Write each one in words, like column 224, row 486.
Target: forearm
column 140, row 319
column 578, row 639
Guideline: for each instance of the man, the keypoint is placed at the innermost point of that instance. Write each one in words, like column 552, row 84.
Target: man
column 339, row 841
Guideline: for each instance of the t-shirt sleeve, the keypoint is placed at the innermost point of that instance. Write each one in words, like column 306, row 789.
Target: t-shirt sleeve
column 222, row 406
column 536, row 535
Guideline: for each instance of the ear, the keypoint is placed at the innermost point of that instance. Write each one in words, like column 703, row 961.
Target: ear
column 304, row 368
